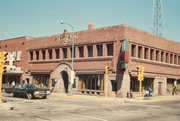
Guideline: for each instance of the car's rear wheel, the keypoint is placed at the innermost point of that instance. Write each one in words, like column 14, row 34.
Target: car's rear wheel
column 29, row 95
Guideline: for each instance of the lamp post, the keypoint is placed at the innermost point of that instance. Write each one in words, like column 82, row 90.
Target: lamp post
column 72, row 61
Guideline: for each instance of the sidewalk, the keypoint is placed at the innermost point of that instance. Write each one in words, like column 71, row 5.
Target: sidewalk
column 102, row 98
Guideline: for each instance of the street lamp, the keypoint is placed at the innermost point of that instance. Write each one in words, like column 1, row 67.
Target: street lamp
column 72, row 61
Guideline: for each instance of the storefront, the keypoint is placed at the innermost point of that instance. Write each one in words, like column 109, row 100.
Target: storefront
column 91, row 83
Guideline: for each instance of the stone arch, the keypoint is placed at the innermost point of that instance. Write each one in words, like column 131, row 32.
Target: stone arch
column 61, row 75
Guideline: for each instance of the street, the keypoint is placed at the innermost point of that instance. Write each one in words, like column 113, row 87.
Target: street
column 68, row 109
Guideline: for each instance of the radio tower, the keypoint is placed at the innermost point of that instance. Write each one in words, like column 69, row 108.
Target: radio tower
column 158, row 23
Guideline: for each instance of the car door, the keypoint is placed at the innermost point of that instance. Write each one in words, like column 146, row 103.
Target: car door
column 16, row 89
column 23, row 90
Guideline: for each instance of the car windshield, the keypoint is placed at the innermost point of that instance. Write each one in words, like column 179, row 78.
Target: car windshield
column 31, row 86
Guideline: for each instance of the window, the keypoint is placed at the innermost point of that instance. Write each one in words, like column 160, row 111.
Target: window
column 73, row 53
column 99, row 50
column 140, row 52
column 162, row 56
column 109, row 49
column 37, row 55
column 145, row 53
column 50, row 54
column 91, row 82
column 19, row 54
column 151, row 54
column 41, row 80
column 171, row 58
column 81, row 52
column 157, row 55
column 133, row 50
column 14, row 54
column 90, row 51
column 57, row 53
column 175, row 59
column 43, row 54
column 167, row 54
column 64, row 52
column 31, row 55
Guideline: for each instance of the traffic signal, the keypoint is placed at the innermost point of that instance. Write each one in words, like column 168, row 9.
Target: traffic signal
column 3, row 59
column 4, row 69
column 138, row 69
column 140, row 72
column 107, row 69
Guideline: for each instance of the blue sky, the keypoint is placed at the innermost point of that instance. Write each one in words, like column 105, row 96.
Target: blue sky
column 38, row 18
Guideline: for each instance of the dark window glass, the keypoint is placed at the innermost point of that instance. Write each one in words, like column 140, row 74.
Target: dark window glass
column 139, row 52
column 171, row 58
column 162, row 56
column 133, row 50
column 151, row 54
column 73, row 53
column 157, row 55
column 37, row 55
column 175, row 59
column 64, row 52
column 90, row 51
column 109, row 49
column 50, row 54
column 146, row 53
column 167, row 54
column 31, row 55
column 99, row 50
column 81, row 52
column 57, row 53
column 91, row 82
column 43, row 54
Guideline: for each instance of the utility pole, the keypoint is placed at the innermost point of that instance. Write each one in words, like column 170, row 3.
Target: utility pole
column 106, row 82
column 140, row 77
column 157, row 15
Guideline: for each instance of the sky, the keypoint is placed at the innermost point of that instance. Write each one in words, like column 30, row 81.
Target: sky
column 38, row 18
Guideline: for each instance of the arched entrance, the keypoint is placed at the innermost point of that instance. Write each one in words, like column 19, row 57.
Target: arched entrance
column 61, row 75
column 65, row 80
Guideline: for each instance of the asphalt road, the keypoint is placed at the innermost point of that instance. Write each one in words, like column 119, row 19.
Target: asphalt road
column 67, row 109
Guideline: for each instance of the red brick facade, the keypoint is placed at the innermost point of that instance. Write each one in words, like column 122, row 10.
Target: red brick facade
column 46, row 61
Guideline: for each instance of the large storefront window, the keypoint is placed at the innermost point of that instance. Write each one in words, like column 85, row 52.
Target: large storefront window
column 147, row 83
column 41, row 80
column 8, row 79
column 91, row 82
column 170, row 84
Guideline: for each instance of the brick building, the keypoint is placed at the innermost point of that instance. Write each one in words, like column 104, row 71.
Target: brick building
column 46, row 61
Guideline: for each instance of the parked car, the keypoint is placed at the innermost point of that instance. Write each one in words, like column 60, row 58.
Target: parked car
column 4, row 86
column 28, row 90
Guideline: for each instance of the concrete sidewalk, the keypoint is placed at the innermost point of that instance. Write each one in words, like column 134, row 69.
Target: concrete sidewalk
column 101, row 98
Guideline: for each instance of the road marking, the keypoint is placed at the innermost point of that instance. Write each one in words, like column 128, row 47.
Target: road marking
column 100, row 119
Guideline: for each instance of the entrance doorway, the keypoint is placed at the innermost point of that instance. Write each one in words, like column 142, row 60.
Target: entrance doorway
column 65, row 80
column 159, row 88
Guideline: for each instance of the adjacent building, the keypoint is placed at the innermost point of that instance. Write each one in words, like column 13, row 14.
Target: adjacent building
column 46, row 61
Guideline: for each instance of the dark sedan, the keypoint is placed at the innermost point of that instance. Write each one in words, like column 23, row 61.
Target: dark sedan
column 28, row 90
